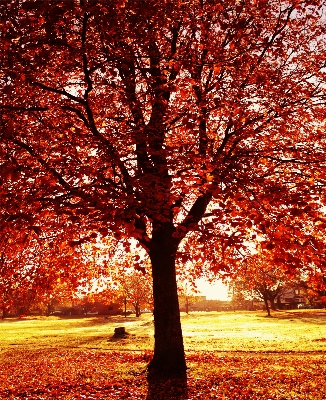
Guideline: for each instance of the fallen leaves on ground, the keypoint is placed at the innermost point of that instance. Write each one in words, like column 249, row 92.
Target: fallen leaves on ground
column 76, row 374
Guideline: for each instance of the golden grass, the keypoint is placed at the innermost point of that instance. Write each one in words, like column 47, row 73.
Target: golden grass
column 284, row 331
column 214, row 331
column 230, row 356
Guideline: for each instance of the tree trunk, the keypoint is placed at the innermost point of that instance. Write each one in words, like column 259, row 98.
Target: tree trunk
column 137, row 309
column 267, row 306
column 169, row 358
column 273, row 305
column 4, row 312
column 48, row 310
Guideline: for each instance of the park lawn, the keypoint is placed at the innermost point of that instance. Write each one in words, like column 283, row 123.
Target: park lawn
column 229, row 355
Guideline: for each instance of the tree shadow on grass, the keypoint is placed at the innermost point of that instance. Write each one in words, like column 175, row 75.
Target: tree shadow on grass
column 160, row 388
column 99, row 320
column 317, row 317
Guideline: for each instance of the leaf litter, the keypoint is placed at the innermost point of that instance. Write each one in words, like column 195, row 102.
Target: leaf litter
column 233, row 364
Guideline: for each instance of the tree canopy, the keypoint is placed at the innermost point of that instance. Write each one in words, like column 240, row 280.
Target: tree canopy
column 193, row 127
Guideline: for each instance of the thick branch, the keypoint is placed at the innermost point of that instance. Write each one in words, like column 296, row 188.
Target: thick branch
column 18, row 108
column 195, row 214
column 128, row 75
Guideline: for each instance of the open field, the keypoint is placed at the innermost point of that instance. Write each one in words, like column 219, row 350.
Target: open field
column 230, row 356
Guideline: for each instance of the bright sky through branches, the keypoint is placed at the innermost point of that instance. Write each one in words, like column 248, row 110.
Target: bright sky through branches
column 212, row 291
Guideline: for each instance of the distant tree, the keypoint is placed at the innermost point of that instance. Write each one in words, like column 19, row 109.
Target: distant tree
column 315, row 285
column 259, row 278
column 187, row 294
column 136, row 289
column 16, row 286
column 38, row 266
column 240, row 294
column 167, row 122
column 131, row 286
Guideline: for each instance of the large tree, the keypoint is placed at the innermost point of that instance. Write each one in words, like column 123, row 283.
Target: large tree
column 166, row 122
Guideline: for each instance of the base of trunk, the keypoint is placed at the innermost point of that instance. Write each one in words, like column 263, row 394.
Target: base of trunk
column 161, row 388
column 168, row 367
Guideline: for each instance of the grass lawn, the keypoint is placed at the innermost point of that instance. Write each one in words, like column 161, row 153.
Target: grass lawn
column 229, row 355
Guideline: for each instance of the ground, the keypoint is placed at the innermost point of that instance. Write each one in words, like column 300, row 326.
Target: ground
column 229, row 355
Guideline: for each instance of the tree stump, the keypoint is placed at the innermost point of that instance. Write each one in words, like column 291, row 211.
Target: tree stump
column 121, row 331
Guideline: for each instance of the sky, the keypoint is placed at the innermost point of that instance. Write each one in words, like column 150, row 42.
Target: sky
column 215, row 291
